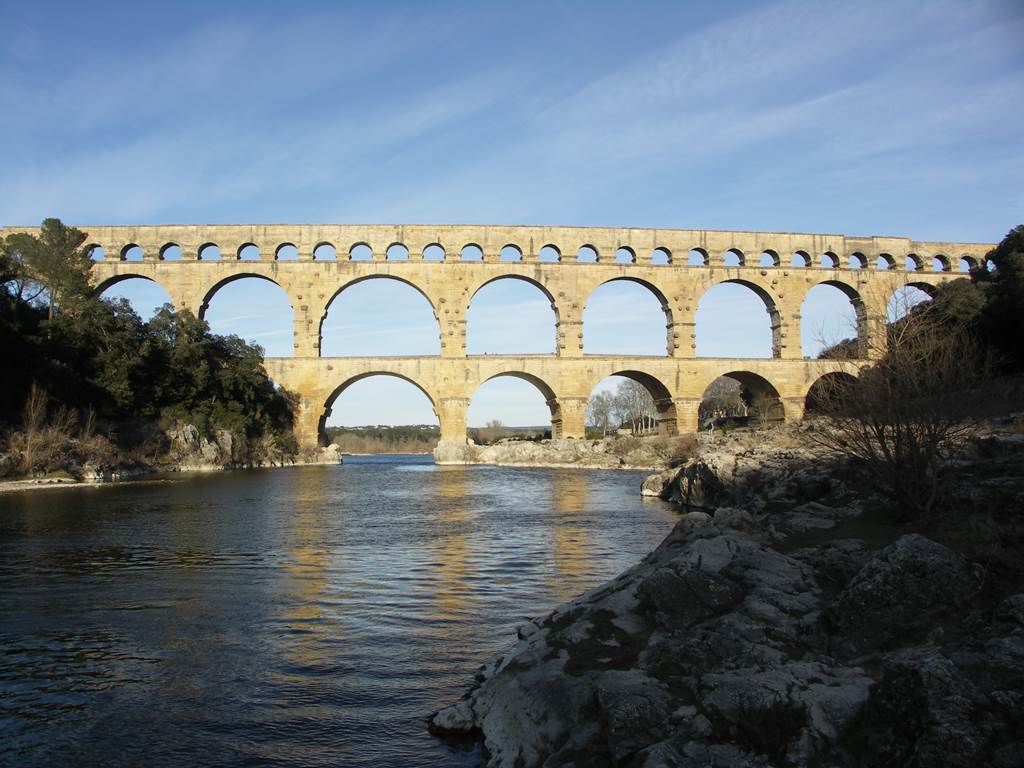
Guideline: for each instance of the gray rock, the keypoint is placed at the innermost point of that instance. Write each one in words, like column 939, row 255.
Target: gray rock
column 456, row 720
column 898, row 594
column 635, row 711
column 680, row 595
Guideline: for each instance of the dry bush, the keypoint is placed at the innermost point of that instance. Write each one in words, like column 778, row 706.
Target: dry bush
column 905, row 417
column 675, row 450
column 625, row 444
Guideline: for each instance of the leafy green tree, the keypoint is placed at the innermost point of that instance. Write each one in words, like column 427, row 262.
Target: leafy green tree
column 55, row 262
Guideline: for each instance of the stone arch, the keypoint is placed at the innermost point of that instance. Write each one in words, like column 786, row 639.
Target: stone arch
column 588, row 254
column 761, row 398
column 169, row 252
column 286, row 252
column 856, row 260
column 885, row 261
column 800, row 259
column 668, row 423
column 661, row 255
column 907, row 296
column 248, row 251
column 625, row 255
column 325, row 251
column 396, row 252
column 913, row 263
column 941, row 263
column 829, row 260
column 549, row 254
column 110, row 282
column 774, row 315
column 545, row 389
column 145, row 297
column 367, row 278
column 209, row 294
column 770, row 258
column 328, row 403
column 433, row 252
column 360, row 251
column 471, row 252
column 510, row 252
column 734, row 258
column 859, row 309
column 966, row 263
column 209, row 252
column 133, row 252
column 534, row 283
column 697, row 257
column 826, row 387
column 658, row 294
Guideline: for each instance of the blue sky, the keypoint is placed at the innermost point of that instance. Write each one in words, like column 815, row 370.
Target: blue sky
column 860, row 118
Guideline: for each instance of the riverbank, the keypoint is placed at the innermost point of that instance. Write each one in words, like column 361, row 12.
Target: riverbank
column 792, row 622
column 653, row 452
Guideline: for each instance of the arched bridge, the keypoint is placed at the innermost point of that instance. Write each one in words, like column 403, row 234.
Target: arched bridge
column 449, row 264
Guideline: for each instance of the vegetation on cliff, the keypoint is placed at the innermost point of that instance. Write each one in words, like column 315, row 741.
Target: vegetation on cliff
column 90, row 381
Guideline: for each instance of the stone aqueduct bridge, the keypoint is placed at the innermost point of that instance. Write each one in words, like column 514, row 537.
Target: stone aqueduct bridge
column 677, row 381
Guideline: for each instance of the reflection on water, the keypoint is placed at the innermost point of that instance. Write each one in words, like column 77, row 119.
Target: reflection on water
column 310, row 616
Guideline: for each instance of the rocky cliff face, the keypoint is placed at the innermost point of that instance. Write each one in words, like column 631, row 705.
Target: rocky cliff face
column 765, row 632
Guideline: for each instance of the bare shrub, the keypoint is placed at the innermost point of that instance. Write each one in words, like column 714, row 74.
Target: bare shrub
column 625, row 444
column 905, row 417
column 675, row 450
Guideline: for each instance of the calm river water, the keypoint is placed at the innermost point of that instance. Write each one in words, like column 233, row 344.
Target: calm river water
column 309, row 616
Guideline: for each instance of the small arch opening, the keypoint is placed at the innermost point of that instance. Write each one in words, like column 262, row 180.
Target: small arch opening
column 769, row 259
column 511, row 252
column 433, row 252
column 471, row 252
column 885, row 262
column 940, row 263
column 396, row 252
column 209, row 252
column 801, row 259
column 360, row 252
column 325, row 252
column 966, row 264
column 697, row 257
column 97, row 253
column 733, row 258
column 249, row 252
column 661, row 256
column 856, row 261
column 829, row 260
column 913, row 263
column 132, row 253
column 549, row 254
column 625, row 256
column 286, row 252
column 170, row 252
column 587, row 254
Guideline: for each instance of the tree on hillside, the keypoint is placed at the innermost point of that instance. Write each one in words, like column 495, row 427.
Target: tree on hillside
column 54, row 265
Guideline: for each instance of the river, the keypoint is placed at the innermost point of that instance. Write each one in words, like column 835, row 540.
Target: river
column 308, row 616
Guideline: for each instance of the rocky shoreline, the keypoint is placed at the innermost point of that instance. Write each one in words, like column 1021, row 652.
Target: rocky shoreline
column 625, row 452
column 789, row 623
column 189, row 451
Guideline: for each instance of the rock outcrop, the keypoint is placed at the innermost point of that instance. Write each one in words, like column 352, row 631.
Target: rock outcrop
column 757, row 634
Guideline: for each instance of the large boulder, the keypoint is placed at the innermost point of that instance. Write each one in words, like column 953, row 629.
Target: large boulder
column 899, row 594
